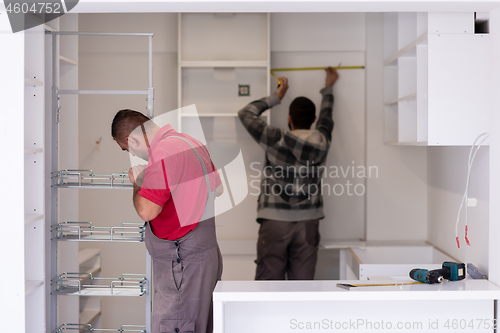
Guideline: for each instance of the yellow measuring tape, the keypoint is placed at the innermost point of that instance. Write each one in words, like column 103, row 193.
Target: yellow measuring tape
column 309, row 69
column 349, row 286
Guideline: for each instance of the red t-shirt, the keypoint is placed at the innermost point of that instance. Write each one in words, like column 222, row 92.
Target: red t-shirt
column 174, row 179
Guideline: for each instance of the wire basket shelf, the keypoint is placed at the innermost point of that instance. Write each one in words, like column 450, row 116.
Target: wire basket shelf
column 84, row 328
column 85, row 284
column 88, row 179
column 86, row 231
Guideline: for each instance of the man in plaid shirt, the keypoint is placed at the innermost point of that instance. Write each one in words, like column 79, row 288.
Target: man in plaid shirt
column 290, row 203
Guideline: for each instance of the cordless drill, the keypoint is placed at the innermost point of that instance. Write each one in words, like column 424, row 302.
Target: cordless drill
column 452, row 271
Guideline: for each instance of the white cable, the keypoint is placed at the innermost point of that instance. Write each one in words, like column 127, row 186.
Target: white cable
column 472, row 156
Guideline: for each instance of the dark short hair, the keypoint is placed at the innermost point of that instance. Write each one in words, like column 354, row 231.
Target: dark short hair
column 124, row 122
column 302, row 111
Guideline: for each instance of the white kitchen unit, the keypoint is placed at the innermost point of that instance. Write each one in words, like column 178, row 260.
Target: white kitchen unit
column 63, row 285
column 291, row 306
column 217, row 50
column 224, row 63
column 428, row 100
column 392, row 260
column 414, row 197
column 34, row 182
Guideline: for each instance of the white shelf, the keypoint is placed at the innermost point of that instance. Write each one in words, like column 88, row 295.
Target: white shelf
column 86, row 254
column 89, row 315
column 409, row 143
column 408, row 48
column 67, row 61
column 32, row 82
column 28, row 218
column 342, row 244
column 31, row 285
column 223, row 64
column 405, row 98
column 33, row 150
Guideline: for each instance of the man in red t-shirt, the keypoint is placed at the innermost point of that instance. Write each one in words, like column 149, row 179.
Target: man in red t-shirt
column 175, row 195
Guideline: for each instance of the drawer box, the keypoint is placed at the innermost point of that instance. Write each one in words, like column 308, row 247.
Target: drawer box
column 373, row 261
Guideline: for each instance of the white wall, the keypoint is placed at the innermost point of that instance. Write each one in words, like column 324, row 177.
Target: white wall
column 396, row 205
column 494, row 225
column 447, row 173
column 12, row 304
column 120, row 63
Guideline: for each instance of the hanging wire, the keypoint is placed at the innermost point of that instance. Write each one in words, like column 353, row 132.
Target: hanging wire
column 472, row 155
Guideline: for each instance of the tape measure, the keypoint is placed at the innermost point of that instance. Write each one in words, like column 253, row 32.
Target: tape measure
column 350, row 286
column 308, row 69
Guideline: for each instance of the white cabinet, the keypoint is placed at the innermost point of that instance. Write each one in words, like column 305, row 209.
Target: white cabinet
column 224, row 63
column 34, row 185
column 218, row 53
column 74, row 286
column 436, row 79
column 392, row 260
column 317, row 306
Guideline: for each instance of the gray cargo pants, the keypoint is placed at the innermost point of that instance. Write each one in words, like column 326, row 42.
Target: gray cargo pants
column 185, row 272
column 287, row 248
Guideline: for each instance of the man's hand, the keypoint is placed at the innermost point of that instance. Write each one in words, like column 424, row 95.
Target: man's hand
column 146, row 209
column 331, row 76
column 281, row 91
column 136, row 174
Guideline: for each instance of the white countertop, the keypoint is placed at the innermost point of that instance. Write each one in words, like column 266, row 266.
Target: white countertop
column 244, row 291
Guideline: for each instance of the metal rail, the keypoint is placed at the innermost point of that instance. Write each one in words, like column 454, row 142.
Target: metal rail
column 85, row 284
column 86, row 231
column 149, row 92
column 62, row 179
column 87, row 178
column 80, row 33
column 88, row 328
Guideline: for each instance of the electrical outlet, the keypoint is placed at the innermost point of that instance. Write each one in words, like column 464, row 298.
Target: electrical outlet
column 243, row 90
column 471, row 202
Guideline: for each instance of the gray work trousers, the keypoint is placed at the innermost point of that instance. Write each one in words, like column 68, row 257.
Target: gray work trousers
column 185, row 272
column 287, row 249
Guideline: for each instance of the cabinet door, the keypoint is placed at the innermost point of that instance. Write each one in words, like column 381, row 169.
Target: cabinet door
column 458, row 88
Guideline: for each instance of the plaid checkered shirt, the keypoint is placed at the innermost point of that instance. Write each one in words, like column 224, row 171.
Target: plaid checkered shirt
column 290, row 188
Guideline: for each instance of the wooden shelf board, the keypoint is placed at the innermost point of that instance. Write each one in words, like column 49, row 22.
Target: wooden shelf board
column 86, row 254
column 28, row 218
column 67, row 61
column 31, row 285
column 392, row 59
column 32, row 82
column 33, row 150
column 89, row 315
